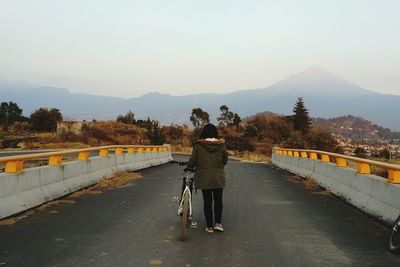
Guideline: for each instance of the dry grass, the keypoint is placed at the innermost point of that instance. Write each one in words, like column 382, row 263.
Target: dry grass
column 54, row 144
column 102, row 133
column 117, row 133
column 84, row 192
column 47, row 135
column 119, row 179
column 13, row 220
column 309, row 184
column 294, row 179
column 8, row 222
column 65, row 145
column 181, row 149
column 55, row 203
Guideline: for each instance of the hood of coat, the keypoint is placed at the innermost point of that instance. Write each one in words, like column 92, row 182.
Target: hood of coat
column 211, row 144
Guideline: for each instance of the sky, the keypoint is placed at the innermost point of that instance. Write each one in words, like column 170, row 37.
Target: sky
column 129, row 48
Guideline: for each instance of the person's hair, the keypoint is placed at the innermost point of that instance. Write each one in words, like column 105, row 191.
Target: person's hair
column 209, row 131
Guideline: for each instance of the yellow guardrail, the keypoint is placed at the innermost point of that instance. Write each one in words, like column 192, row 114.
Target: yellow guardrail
column 363, row 165
column 15, row 164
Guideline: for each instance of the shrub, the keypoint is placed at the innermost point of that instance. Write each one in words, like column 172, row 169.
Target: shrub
column 321, row 139
column 45, row 120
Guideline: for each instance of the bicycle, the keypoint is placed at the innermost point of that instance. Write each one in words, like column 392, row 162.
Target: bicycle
column 185, row 204
column 394, row 240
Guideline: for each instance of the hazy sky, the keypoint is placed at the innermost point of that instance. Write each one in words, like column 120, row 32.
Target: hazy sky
column 128, row 48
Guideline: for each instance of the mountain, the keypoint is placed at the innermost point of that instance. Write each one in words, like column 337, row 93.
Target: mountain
column 325, row 95
column 72, row 105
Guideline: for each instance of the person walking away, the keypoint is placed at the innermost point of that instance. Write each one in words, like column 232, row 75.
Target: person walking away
column 208, row 160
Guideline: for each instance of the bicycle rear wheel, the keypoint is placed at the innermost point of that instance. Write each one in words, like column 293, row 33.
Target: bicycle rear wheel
column 394, row 242
column 185, row 215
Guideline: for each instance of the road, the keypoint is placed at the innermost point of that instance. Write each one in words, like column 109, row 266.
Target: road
column 270, row 220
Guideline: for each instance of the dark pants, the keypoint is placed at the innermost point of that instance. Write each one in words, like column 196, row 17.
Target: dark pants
column 209, row 195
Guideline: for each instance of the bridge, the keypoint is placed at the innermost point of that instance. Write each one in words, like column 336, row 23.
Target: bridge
column 272, row 217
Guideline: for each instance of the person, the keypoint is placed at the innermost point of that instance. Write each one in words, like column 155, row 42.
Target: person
column 208, row 160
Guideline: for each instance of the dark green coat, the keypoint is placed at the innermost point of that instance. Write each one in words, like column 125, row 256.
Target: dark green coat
column 208, row 161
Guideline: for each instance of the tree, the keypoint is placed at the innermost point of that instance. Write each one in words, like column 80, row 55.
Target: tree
column 321, row 139
column 10, row 113
column 301, row 119
column 274, row 127
column 251, row 131
column 236, row 120
column 226, row 117
column 45, row 120
column 239, row 143
column 144, row 123
column 99, row 134
column 155, row 134
column 129, row 118
column 199, row 118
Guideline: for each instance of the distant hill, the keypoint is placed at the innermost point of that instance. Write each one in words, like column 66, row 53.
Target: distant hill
column 75, row 106
column 348, row 127
column 325, row 95
column 357, row 129
column 264, row 114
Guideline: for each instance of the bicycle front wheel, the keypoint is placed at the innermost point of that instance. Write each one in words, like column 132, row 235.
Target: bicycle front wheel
column 185, row 215
column 394, row 242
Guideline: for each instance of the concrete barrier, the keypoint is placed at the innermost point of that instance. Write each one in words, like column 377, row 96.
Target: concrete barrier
column 35, row 186
column 372, row 194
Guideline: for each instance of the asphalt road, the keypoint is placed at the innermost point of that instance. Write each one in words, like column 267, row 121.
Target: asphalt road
column 269, row 220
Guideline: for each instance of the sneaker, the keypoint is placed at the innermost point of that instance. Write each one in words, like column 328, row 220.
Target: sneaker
column 209, row 230
column 218, row 227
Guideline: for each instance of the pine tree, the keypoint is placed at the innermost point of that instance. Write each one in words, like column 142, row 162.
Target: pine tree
column 301, row 119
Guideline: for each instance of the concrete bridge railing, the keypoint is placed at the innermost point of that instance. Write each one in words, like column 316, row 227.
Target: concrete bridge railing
column 24, row 188
column 375, row 195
